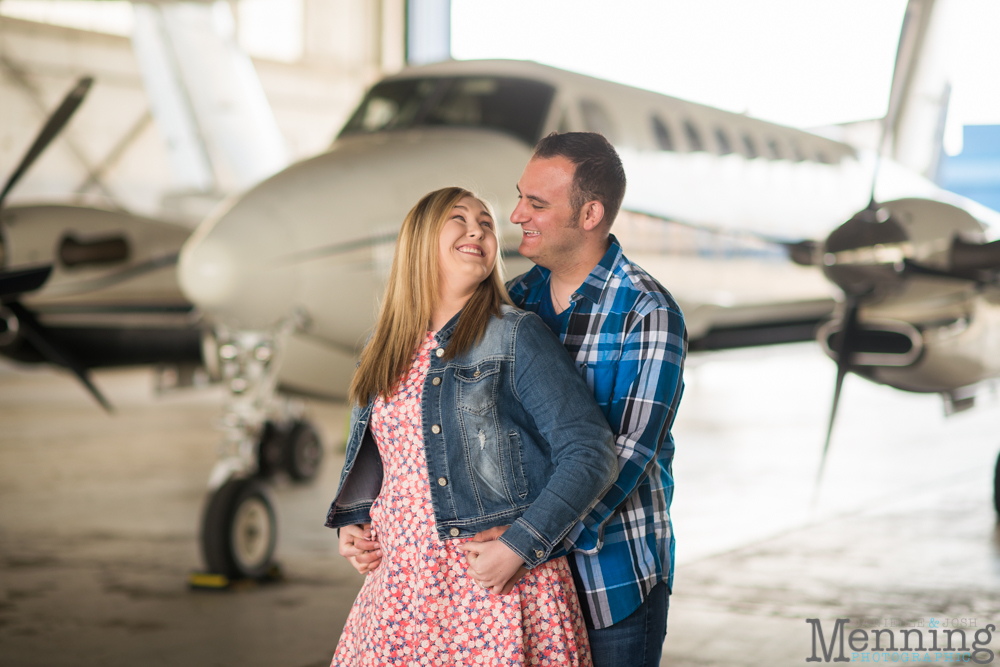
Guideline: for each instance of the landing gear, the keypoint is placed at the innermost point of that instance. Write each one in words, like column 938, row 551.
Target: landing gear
column 264, row 434
column 296, row 449
column 303, row 453
column 239, row 531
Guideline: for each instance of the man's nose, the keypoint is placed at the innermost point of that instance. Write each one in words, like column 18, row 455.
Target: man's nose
column 518, row 215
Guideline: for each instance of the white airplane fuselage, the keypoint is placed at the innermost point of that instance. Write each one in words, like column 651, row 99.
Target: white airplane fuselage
column 313, row 244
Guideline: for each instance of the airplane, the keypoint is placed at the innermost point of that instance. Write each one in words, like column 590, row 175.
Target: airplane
column 286, row 276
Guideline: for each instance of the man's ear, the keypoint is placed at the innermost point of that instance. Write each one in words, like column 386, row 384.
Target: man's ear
column 592, row 215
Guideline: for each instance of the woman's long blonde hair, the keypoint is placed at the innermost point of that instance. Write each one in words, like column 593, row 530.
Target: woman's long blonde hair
column 411, row 295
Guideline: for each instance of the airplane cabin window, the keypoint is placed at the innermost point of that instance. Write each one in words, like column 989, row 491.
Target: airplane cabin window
column 596, row 119
column 664, row 141
column 772, row 146
column 751, row 149
column 725, row 148
column 693, row 136
column 515, row 106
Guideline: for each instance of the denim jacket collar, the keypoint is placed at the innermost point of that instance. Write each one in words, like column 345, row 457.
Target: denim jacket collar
column 444, row 334
column 595, row 285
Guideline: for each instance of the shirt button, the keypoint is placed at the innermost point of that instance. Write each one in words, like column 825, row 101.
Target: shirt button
column 442, row 481
column 454, row 532
column 435, row 429
column 436, row 381
column 439, row 352
column 539, row 553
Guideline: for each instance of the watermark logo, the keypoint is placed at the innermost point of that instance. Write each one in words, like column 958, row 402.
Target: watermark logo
column 944, row 640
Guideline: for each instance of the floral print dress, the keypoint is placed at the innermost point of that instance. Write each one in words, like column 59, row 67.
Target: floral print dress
column 420, row 607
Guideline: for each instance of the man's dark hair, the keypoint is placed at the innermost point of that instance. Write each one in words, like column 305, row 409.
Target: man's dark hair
column 599, row 172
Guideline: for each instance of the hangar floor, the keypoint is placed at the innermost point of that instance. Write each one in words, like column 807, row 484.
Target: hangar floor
column 98, row 522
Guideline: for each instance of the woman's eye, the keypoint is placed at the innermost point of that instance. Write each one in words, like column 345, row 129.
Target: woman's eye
column 488, row 223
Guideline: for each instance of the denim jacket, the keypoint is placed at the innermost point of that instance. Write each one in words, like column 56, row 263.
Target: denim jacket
column 512, row 435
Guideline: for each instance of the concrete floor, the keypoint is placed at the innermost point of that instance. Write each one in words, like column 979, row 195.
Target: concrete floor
column 99, row 516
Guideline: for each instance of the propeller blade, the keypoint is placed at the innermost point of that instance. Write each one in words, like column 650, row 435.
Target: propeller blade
column 39, row 337
column 20, row 281
column 52, row 128
column 844, row 353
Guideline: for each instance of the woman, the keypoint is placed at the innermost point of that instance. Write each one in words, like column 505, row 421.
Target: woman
column 468, row 414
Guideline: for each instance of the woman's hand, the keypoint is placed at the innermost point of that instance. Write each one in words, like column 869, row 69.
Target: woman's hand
column 492, row 564
column 359, row 547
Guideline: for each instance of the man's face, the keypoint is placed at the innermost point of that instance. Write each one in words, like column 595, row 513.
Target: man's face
column 550, row 233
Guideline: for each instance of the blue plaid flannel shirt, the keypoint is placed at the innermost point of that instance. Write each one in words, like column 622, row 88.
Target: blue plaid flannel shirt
column 628, row 338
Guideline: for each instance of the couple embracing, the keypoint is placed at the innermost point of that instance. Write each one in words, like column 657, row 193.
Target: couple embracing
column 508, row 475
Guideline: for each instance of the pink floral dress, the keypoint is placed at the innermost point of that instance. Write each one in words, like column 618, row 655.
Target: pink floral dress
column 420, row 607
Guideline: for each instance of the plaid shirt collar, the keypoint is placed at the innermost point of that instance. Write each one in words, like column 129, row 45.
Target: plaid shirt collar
column 595, row 285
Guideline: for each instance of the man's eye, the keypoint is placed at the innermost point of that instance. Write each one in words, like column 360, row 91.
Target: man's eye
column 536, row 207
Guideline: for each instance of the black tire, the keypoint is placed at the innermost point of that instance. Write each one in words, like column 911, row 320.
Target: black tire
column 996, row 488
column 271, row 450
column 239, row 530
column 303, row 452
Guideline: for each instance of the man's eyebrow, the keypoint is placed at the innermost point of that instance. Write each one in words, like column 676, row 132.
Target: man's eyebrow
column 531, row 197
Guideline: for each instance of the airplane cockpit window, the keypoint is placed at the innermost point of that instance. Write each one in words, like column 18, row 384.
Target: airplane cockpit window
column 514, row 106
column 725, row 148
column 662, row 133
column 693, row 137
column 596, row 119
column 749, row 146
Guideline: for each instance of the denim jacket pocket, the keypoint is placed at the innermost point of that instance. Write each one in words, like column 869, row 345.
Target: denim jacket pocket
column 516, row 464
column 477, row 386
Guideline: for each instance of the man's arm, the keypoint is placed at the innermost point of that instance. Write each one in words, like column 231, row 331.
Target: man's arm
column 647, row 390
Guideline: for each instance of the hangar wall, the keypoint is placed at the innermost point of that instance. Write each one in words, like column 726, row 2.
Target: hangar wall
column 112, row 153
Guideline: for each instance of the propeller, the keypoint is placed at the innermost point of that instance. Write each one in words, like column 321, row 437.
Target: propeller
column 845, row 350
column 14, row 283
column 57, row 121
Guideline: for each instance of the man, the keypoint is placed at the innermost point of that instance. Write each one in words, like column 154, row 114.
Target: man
column 628, row 338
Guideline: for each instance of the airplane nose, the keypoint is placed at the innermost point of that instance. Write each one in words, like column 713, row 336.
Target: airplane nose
column 230, row 267
column 208, row 273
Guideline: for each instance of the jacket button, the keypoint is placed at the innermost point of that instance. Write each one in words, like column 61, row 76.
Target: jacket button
column 435, row 429
column 454, row 532
column 436, row 381
column 476, row 374
column 539, row 553
column 439, row 352
column 442, row 481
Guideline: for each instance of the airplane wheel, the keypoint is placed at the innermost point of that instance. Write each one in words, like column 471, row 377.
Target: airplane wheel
column 239, row 530
column 303, row 452
column 996, row 488
column 271, row 449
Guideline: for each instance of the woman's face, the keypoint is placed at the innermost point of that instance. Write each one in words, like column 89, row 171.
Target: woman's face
column 467, row 248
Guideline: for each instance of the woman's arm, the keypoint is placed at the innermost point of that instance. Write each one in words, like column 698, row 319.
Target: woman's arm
column 563, row 408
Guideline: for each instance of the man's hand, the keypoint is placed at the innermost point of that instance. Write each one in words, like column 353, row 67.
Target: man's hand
column 491, row 564
column 360, row 548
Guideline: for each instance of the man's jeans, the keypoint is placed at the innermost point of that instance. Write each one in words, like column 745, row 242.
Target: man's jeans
column 636, row 641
